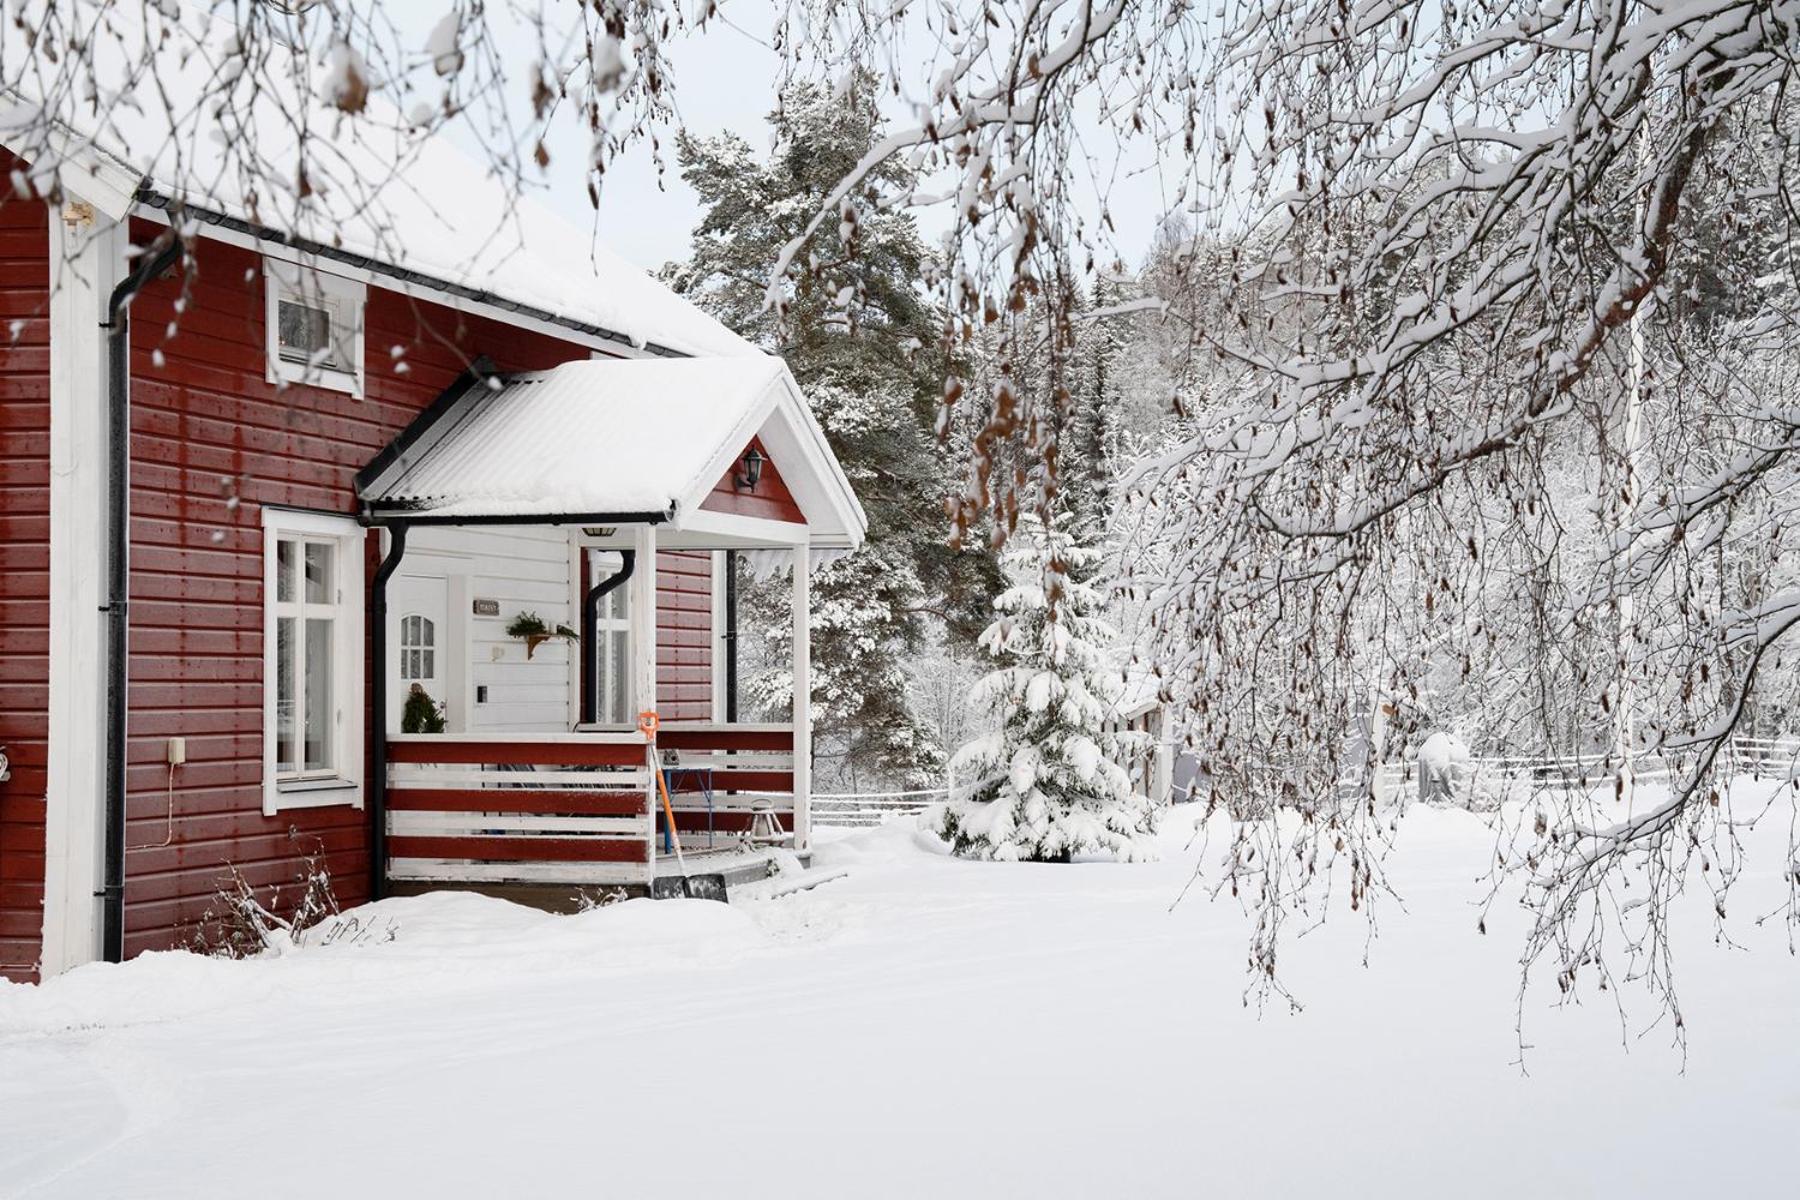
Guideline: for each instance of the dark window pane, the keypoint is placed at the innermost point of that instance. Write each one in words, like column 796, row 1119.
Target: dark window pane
column 303, row 332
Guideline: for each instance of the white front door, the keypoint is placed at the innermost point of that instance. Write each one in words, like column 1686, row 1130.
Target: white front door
column 420, row 651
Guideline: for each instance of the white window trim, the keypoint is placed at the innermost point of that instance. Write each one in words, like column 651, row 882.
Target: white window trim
column 283, row 280
column 347, row 667
column 604, row 627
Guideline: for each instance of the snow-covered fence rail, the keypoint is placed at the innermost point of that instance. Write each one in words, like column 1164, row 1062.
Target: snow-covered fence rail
column 1742, row 755
column 855, row 810
column 526, row 808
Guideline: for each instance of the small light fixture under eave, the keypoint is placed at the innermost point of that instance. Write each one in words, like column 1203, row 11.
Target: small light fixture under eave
column 599, row 531
column 752, row 472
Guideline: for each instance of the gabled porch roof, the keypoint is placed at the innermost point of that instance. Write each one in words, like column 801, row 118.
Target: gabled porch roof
column 609, row 441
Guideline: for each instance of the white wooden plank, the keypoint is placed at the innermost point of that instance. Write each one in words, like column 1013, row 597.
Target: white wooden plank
column 401, row 824
column 574, row 874
column 416, row 775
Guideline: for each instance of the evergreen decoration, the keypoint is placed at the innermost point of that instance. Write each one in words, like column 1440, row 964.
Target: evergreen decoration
column 421, row 713
column 532, row 628
column 1048, row 782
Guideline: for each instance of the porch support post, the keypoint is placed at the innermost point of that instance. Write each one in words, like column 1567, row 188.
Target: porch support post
column 378, row 715
column 802, row 617
column 641, row 620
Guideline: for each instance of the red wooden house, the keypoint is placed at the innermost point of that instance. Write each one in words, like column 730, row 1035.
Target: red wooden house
column 344, row 467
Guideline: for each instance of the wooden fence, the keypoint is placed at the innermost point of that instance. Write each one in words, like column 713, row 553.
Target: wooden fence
column 1742, row 756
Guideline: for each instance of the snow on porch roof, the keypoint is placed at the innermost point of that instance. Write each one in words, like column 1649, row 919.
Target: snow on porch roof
column 624, row 438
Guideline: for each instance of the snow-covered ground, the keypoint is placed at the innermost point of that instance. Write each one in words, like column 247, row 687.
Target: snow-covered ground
column 923, row 1026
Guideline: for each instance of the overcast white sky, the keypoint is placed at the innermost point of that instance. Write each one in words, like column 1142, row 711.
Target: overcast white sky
column 725, row 80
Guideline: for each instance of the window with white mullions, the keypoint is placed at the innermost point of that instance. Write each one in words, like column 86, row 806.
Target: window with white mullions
column 312, row 675
column 418, row 647
column 308, row 614
column 612, row 648
column 315, row 327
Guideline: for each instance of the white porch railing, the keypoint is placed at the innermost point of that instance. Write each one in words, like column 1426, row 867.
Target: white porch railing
column 579, row 808
column 526, row 808
column 741, row 767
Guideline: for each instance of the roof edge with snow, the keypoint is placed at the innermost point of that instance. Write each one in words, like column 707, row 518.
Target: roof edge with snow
column 607, row 441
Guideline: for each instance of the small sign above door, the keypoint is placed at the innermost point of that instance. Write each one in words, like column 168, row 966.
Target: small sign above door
column 487, row 608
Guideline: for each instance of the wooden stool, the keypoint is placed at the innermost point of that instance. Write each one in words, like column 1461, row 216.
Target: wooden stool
column 765, row 824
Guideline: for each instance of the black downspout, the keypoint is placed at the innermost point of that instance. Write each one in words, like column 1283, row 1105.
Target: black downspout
column 590, row 631
column 378, row 669
column 118, row 543
column 731, row 638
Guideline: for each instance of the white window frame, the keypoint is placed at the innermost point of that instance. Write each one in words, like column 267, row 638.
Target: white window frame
column 342, row 785
column 604, row 627
column 427, row 626
column 346, row 300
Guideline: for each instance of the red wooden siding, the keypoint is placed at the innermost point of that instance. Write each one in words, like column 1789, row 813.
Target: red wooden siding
column 24, row 568
column 212, row 443
column 684, row 635
column 770, row 500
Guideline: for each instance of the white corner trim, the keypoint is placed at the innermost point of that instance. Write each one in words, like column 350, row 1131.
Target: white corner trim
column 87, row 258
column 801, row 617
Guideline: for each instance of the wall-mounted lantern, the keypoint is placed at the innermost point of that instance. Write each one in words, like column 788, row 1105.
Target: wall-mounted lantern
column 752, row 473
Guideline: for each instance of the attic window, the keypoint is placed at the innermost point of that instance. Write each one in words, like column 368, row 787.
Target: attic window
column 315, row 323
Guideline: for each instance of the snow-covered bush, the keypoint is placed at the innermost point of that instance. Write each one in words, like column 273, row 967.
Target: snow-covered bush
column 1047, row 782
column 1443, row 767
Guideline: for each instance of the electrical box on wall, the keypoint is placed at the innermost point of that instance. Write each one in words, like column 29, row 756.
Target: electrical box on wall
column 481, row 693
column 177, row 751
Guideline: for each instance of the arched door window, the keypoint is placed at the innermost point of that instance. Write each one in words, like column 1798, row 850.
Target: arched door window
column 418, row 647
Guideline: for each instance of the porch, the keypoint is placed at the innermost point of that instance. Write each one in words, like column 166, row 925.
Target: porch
column 579, row 793
column 584, row 809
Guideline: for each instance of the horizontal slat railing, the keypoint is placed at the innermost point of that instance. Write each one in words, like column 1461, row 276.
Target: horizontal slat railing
column 1741, row 755
column 745, row 765
column 545, row 808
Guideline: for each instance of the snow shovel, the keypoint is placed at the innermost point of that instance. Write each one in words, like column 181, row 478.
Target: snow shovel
column 688, row 887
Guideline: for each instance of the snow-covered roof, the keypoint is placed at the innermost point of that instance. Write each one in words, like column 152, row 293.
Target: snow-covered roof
column 1141, row 693
column 626, row 438
column 412, row 205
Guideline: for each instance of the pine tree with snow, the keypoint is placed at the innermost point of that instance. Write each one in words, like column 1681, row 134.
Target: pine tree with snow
column 865, row 345
column 1048, row 782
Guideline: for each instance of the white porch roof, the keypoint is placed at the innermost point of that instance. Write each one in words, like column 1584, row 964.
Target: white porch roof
column 629, row 440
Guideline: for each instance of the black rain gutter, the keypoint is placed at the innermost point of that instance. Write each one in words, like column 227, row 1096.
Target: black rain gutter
column 590, row 630
column 378, row 668
column 164, row 202
column 731, row 638
column 118, row 565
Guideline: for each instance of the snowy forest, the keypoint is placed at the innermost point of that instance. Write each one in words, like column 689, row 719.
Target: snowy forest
column 1274, row 580
column 1331, row 376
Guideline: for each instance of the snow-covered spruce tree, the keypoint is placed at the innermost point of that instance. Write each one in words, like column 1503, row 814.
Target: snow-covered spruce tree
column 1048, row 782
